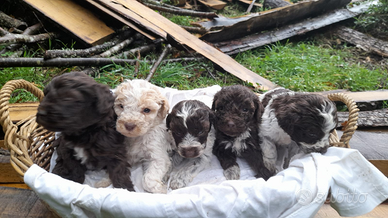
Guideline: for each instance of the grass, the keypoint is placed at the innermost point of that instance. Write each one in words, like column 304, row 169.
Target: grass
column 306, row 66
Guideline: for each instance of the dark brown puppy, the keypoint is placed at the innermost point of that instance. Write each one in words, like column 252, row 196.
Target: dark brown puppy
column 82, row 111
column 238, row 116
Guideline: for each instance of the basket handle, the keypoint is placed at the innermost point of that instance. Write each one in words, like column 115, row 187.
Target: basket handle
column 351, row 124
column 5, row 95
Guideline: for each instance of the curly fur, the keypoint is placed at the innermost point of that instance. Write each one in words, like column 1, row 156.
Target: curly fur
column 190, row 126
column 305, row 118
column 238, row 116
column 141, row 111
column 82, row 110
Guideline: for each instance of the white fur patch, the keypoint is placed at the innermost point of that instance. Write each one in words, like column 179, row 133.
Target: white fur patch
column 232, row 173
column 80, row 154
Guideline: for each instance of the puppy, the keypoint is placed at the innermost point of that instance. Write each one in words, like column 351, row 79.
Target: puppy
column 82, row 110
column 238, row 116
column 142, row 112
column 190, row 125
column 304, row 118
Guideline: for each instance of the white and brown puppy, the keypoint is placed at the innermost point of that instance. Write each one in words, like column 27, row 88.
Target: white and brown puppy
column 305, row 118
column 190, row 124
column 238, row 115
column 141, row 111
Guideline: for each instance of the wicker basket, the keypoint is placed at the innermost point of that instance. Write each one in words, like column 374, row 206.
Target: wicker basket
column 30, row 143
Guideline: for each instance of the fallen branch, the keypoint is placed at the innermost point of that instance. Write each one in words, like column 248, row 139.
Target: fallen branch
column 363, row 41
column 3, row 32
column 62, row 62
column 209, row 15
column 250, row 6
column 120, row 46
column 199, row 30
column 9, row 22
column 141, row 50
column 257, row 40
column 28, row 31
column 165, row 52
column 50, row 54
column 18, row 38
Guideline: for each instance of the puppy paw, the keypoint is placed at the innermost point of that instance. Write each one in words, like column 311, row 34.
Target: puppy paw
column 265, row 174
column 232, row 173
column 270, row 163
column 103, row 183
column 156, row 187
column 180, row 180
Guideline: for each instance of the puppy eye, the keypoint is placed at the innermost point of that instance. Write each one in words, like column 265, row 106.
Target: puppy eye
column 220, row 108
column 200, row 133
column 146, row 110
column 245, row 110
column 121, row 106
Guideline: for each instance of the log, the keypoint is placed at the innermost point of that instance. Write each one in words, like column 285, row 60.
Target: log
column 183, row 12
column 141, row 50
column 50, row 54
column 3, row 32
column 257, row 40
column 18, row 38
column 271, row 4
column 28, row 31
column 165, row 52
column 9, row 22
column 363, row 41
column 62, row 62
column 120, row 46
column 223, row 29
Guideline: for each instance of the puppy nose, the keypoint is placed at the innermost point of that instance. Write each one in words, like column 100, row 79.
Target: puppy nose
column 190, row 152
column 231, row 124
column 129, row 126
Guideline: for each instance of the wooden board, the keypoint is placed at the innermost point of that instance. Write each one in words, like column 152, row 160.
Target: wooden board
column 154, row 21
column 382, row 165
column 326, row 211
column 75, row 19
column 367, row 96
column 248, row 2
column 216, row 4
column 268, row 19
column 122, row 20
column 19, row 111
column 22, row 203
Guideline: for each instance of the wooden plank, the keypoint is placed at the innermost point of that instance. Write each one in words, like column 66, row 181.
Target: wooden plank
column 153, row 21
column 216, row 4
column 75, row 19
column 257, row 40
column 268, row 19
column 19, row 111
column 382, row 165
column 22, row 203
column 248, row 2
column 122, row 20
column 326, row 211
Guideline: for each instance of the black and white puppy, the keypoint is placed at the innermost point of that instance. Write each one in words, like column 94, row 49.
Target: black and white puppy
column 82, row 110
column 238, row 115
column 305, row 118
column 190, row 124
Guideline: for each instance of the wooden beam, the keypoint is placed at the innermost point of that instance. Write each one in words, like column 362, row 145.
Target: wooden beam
column 382, row 165
column 156, row 23
column 75, row 19
column 300, row 28
column 233, row 28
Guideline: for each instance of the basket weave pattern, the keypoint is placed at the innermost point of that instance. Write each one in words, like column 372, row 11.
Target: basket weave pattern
column 30, row 143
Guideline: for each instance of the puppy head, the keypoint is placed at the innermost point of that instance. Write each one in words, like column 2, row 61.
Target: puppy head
column 236, row 109
column 73, row 102
column 308, row 119
column 190, row 122
column 139, row 106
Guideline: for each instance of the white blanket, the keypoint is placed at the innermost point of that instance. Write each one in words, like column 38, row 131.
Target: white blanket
column 299, row 191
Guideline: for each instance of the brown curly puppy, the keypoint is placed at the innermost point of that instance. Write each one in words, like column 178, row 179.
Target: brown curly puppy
column 82, row 111
column 238, row 116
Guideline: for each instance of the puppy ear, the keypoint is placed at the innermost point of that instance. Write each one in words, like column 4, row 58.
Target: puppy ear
column 214, row 102
column 105, row 98
column 168, row 121
column 212, row 117
column 259, row 110
column 165, row 107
